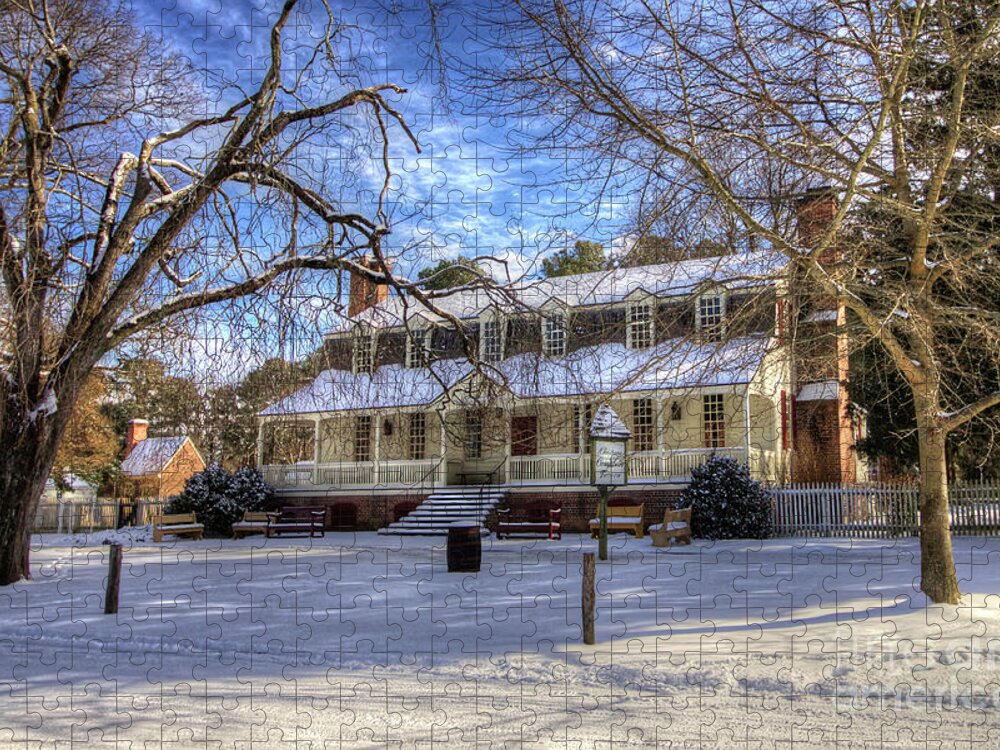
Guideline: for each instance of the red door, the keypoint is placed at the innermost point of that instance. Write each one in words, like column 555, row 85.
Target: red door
column 523, row 436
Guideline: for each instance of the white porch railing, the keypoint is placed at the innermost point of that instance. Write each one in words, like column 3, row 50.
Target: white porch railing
column 559, row 468
column 549, row 468
column 647, row 465
column 351, row 474
column 407, row 472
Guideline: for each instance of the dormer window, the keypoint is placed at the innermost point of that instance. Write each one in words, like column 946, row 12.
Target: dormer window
column 711, row 317
column 639, row 327
column 364, row 351
column 418, row 348
column 491, row 340
column 554, row 335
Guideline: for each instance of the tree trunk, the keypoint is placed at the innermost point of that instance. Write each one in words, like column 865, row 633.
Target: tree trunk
column 24, row 468
column 937, row 562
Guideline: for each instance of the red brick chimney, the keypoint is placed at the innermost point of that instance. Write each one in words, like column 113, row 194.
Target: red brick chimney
column 815, row 211
column 135, row 433
column 364, row 292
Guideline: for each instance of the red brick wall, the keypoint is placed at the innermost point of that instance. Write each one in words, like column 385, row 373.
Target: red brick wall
column 374, row 511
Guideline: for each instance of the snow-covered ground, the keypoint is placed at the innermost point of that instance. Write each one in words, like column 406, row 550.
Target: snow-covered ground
column 362, row 640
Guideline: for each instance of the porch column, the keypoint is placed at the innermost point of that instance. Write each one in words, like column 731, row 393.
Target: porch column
column 442, row 478
column 659, row 432
column 746, row 425
column 260, row 445
column 376, row 439
column 316, row 454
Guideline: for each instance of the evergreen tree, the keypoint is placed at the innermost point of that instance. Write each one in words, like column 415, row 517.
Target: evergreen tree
column 726, row 503
column 448, row 273
column 585, row 257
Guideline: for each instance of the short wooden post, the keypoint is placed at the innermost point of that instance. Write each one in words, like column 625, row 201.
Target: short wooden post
column 588, row 598
column 602, row 533
column 114, row 580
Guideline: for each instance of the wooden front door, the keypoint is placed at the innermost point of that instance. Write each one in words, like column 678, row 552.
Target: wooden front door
column 523, row 436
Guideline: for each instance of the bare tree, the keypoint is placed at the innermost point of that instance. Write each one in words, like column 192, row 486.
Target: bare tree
column 214, row 202
column 890, row 103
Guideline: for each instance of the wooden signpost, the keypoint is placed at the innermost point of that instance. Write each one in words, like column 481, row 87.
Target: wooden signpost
column 609, row 464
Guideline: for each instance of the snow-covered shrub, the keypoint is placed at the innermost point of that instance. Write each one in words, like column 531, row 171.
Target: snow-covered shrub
column 726, row 502
column 220, row 498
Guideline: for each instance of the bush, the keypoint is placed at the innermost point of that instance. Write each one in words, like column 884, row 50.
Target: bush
column 726, row 503
column 220, row 498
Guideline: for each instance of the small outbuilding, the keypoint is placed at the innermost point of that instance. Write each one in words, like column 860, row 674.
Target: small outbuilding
column 158, row 467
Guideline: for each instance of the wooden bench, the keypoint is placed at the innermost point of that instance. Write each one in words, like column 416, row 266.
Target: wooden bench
column 676, row 525
column 253, row 523
column 537, row 519
column 178, row 524
column 620, row 518
column 307, row 520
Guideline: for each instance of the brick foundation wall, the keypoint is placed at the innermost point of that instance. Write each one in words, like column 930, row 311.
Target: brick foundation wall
column 374, row 511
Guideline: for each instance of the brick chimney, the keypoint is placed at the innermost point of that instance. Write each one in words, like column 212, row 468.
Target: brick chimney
column 135, row 433
column 364, row 292
column 815, row 211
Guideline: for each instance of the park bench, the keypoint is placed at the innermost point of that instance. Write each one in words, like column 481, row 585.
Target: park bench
column 179, row 524
column 538, row 519
column 676, row 525
column 308, row 520
column 620, row 518
column 254, row 522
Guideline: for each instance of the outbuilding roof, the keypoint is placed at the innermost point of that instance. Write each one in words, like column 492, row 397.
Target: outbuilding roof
column 151, row 455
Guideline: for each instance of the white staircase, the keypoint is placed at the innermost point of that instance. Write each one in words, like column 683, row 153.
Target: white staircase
column 446, row 505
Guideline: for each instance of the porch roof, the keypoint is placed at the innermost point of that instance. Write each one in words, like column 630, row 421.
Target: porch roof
column 614, row 368
column 608, row 368
column 390, row 386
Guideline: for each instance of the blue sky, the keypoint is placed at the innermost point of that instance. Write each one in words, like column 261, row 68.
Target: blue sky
column 477, row 196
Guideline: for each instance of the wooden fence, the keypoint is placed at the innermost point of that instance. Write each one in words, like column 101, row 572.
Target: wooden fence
column 879, row 510
column 84, row 516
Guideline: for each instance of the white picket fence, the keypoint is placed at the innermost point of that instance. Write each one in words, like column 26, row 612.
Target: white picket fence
column 879, row 510
column 76, row 516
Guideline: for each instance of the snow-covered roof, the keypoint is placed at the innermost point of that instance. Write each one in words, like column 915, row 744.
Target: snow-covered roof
column 614, row 368
column 607, row 424
column 72, row 482
column 592, row 370
column 389, row 386
column 737, row 271
column 826, row 390
column 151, row 455
column 822, row 316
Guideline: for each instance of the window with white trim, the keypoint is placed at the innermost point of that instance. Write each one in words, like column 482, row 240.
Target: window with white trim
column 554, row 335
column 711, row 317
column 418, row 436
column 491, row 340
column 363, row 437
column 643, row 425
column 639, row 325
column 418, row 348
column 583, row 415
column 473, row 433
column 676, row 411
column 714, row 420
column 364, row 350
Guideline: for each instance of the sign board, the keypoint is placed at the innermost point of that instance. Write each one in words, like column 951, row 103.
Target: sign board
column 609, row 462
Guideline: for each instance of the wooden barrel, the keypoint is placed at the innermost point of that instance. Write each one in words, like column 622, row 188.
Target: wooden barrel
column 465, row 547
